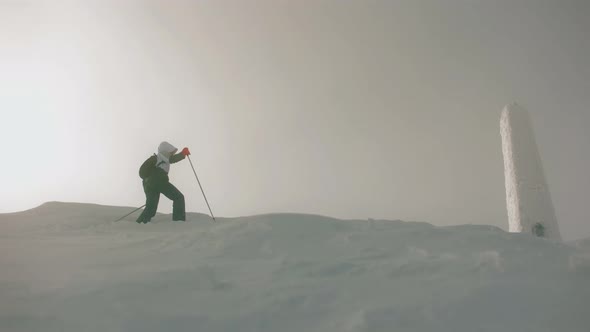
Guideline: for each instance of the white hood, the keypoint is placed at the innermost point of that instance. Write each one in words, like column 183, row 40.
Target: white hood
column 165, row 151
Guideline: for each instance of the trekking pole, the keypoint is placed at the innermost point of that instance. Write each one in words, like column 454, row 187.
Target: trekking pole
column 190, row 161
column 123, row 217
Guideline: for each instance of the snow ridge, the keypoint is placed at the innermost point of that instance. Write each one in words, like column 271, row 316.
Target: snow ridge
column 69, row 267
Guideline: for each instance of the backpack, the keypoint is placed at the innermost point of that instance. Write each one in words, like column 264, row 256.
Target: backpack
column 148, row 167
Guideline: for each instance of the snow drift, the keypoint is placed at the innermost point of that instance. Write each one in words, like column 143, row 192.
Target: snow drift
column 68, row 267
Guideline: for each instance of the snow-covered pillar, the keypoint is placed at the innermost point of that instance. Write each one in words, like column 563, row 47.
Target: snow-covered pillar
column 529, row 205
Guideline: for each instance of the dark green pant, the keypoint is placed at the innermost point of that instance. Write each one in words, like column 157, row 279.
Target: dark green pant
column 152, row 198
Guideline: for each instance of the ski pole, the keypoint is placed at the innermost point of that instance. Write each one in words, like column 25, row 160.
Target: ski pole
column 123, row 217
column 190, row 161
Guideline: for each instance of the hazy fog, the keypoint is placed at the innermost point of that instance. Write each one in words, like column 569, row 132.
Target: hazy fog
column 353, row 109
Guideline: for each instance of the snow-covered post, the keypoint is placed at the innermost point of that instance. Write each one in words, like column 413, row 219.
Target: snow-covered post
column 529, row 205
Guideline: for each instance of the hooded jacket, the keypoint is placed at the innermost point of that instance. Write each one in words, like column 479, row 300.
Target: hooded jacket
column 166, row 156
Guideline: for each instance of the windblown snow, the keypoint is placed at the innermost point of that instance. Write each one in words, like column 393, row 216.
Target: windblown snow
column 69, row 267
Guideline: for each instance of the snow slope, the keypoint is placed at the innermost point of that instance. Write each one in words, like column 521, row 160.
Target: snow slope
column 68, row 267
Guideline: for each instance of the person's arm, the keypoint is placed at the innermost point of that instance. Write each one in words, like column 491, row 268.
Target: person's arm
column 176, row 158
column 179, row 156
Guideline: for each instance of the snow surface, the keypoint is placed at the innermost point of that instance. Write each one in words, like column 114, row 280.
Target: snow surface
column 69, row 267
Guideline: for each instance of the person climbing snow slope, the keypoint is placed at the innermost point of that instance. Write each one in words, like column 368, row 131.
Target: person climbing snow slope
column 154, row 173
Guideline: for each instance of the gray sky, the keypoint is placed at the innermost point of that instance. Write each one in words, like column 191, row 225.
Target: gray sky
column 352, row 109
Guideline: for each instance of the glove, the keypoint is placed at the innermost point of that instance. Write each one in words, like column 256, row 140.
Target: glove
column 185, row 152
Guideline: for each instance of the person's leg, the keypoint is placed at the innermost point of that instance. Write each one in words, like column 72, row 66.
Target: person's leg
column 178, row 211
column 152, row 198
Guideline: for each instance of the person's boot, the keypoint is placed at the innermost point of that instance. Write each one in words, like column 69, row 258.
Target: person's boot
column 179, row 216
column 179, row 219
column 142, row 220
column 178, row 210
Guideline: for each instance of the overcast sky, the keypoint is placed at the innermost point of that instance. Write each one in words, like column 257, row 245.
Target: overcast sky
column 352, row 109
